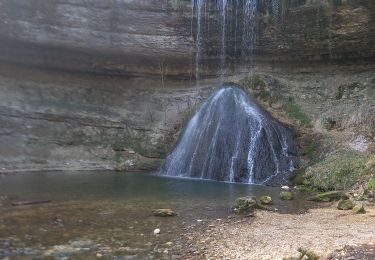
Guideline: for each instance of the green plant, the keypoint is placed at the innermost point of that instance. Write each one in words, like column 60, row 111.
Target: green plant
column 337, row 172
column 371, row 184
column 253, row 82
column 304, row 254
column 307, row 254
column 294, row 111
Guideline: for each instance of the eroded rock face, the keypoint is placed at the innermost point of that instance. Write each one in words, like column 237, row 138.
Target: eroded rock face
column 127, row 37
column 153, row 37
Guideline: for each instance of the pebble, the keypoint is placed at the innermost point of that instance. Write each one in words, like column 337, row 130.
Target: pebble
column 285, row 188
column 156, row 231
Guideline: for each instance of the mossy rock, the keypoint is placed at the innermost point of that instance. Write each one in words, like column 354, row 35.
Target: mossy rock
column 345, row 205
column 164, row 213
column 359, row 209
column 245, row 205
column 287, row 195
column 329, row 196
column 265, row 200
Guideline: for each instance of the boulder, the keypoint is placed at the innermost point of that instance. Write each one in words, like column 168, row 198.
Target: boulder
column 345, row 204
column 287, row 195
column 245, row 205
column 359, row 209
column 266, row 200
column 329, row 196
column 164, row 213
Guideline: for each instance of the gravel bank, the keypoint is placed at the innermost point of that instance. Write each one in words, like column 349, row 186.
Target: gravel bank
column 272, row 235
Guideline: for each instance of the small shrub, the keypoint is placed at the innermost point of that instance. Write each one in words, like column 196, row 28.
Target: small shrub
column 307, row 254
column 294, row 111
column 337, row 172
column 253, row 82
column 304, row 254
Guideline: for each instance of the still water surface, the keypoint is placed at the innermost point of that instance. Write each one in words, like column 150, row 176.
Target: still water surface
column 111, row 212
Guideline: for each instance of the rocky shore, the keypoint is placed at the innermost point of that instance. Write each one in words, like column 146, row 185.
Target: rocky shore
column 270, row 235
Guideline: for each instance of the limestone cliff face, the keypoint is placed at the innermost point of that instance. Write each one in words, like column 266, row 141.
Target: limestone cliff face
column 97, row 84
column 152, row 37
column 127, row 37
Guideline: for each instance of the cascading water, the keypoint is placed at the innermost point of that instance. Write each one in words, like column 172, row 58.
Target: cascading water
column 232, row 139
column 201, row 9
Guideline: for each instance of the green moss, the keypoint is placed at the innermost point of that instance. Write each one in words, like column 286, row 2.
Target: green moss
column 265, row 200
column 287, row 195
column 338, row 172
column 295, row 112
column 329, row 196
column 245, row 205
column 359, row 209
column 345, row 204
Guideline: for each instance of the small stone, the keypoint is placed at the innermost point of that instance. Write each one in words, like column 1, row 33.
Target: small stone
column 169, row 243
column 199, row 220
column 164, row 213
column 359, row 209
column 345, row 204
column 99, row 255
column 156, row 231
column 286, row 188
column 266, row 200
column 287, row 195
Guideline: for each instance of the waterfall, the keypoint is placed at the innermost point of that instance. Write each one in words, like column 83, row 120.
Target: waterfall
column 232, row 139
column 224, row 10
column 223, row 21
column 248, row 36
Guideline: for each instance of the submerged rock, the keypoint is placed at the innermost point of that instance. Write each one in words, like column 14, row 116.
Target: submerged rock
column 156, row 231
column 245, row 205
column 345, row 204
column 265, row 200
column 164, row 213
column 287, row 195
column 329, row 196
column 359, row 209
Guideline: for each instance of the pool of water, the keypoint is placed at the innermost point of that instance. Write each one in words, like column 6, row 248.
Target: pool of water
column 111, row 212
